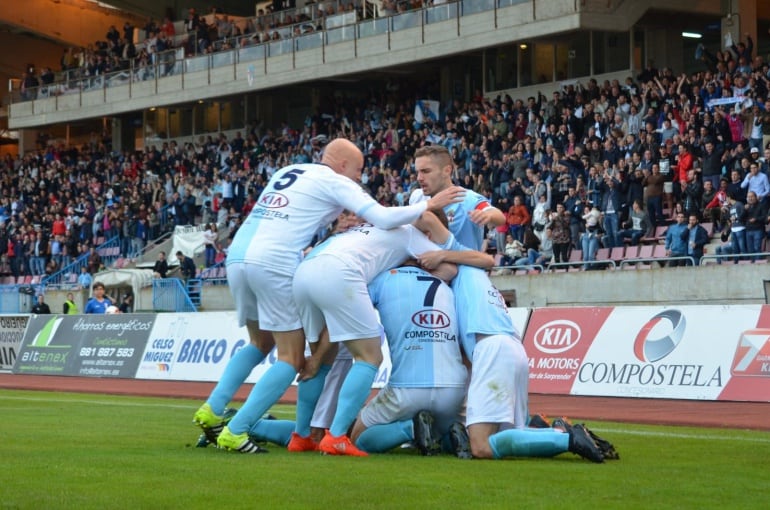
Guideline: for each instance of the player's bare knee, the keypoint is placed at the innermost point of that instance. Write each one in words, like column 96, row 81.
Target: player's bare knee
column 367, row 350
column 480, row 449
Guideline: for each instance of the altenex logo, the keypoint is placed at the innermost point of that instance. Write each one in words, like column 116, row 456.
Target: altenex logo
column 650, row 350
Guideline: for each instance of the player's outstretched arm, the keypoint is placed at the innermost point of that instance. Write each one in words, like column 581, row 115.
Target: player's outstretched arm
column 488, row 216
column 445, row 271
column 431, row 259
column 451, row 195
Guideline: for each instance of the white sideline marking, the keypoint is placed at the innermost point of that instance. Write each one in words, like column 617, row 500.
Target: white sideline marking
column 279, row 413
column 680, row 435
column 274, row 412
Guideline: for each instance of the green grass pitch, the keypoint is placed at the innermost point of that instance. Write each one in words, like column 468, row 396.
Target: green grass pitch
column 76, row 451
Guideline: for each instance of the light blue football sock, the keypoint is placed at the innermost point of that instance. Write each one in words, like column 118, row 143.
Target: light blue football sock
column 381, row 438
column 263, row 395
column 237, row 370
column 308, row 393
column 528, row 443
column 355, row 389
column 275, row 431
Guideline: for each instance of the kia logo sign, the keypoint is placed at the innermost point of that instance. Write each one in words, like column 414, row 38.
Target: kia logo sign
column 648, row 349
column 557, row 336
column 431, row 319
column 273, row 200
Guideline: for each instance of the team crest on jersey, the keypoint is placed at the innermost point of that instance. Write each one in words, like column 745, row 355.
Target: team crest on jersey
column 450, row 215
column 273, row 200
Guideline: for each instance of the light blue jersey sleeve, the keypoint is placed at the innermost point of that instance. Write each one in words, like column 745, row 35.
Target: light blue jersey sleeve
column 483, row 308
column 460, row 224
column 418, row 314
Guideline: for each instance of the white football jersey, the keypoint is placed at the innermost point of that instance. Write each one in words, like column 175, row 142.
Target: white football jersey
column 296, row 203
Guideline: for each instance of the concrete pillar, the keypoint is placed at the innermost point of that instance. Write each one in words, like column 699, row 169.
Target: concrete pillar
column 739, row 20
column 116, row 129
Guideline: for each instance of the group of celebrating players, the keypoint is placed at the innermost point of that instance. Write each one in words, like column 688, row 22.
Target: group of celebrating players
column 414, row 272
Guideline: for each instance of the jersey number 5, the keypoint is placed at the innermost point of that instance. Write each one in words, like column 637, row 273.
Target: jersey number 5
column 288, row 179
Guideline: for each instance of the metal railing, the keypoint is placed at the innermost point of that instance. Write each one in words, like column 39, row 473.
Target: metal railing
column 739, row 258
column 170, row 295
column 515, row 269
column 648, row 261
column 590, row 264
column 289, row 40
column 67, row 276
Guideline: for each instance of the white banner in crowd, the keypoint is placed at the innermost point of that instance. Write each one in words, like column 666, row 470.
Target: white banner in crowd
column 187, row 239
column 724, row 100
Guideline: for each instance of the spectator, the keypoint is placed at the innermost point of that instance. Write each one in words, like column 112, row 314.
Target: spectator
column 69, row 307
column 653, row 183
column 94, row 260
column 737, row 216
column 518, row 218
column 611, row 202
column 186, row 266
column 696, row 238
column 590, row 239
column 755, row 217
column 560, row 226
column 514, row 250
column 717, row 209
column 41, row 307
column 210, row 237
column 84, row 278
column 544, row 253
column 98, row 303
column 637, row 226
column 727, row 246
column 127, row 305
column 757, row 182
column 676, row 240
column 160, row 268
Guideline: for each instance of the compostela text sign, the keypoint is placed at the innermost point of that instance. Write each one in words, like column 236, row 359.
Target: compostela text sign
column 688, row 352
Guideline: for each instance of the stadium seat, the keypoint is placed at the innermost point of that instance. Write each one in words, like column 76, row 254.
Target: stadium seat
column 645, row 251
column 603, row 254
column 631, row 252
column 658, row 235
column 616, row 253
column 659, row 252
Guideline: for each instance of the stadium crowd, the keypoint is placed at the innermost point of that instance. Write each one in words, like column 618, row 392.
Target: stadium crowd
column 140, row 49
column 565, row 170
